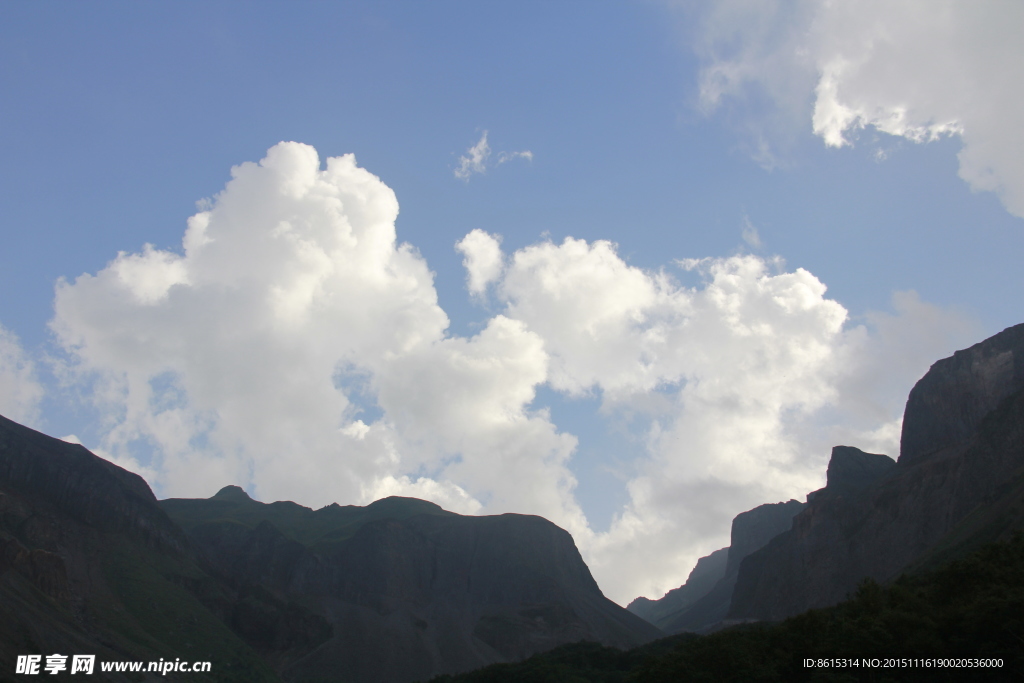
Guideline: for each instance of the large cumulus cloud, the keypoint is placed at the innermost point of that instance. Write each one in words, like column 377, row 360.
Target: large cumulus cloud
column 296, row 347
column 231, row 359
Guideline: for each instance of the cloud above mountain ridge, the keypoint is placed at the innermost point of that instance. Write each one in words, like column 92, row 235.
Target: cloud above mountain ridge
column 231, row 363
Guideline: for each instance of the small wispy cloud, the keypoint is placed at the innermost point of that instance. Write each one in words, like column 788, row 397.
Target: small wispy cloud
column 750, row 234
column 509, row 156
column 477, row 158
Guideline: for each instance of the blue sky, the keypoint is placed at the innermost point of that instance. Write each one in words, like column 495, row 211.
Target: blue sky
column 635, row 398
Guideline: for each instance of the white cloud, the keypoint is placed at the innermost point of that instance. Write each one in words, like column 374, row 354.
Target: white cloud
column 476, row 158
column 225, row 358
column 919, row 69
column 738, row 365
column 509, row 156
column 587, row 305
column 483, row 260
column 446, row 494
column 230, row 362
column 256, row 355
column 883, row 357
column 750, row 234
column 20, row 390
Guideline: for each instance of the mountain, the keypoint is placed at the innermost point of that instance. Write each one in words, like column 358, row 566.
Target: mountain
column 972, row 606
column 90, row 564
column 708, row 571
column 915, row 558
column 399, row 590
column 958, row 483
column 703, row 601
column 409, row 590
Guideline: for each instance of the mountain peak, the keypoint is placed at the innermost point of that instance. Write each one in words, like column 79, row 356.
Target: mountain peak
column 402, row 506
column 851, row 469
column 232, row 492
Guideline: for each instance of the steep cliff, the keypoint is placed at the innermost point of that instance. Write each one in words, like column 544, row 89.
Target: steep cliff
column 703, row 601
column 409, row 589
column 708, row 571
column 958, row 482
column 948, row 404
column 753, row 529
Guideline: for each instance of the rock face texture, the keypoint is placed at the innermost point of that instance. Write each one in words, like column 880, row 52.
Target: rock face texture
column 409, row 590
column 753, row 529
column 79, row 485
column 947, row 405
column 958, row 482
column 703, row 601
column 851, row 470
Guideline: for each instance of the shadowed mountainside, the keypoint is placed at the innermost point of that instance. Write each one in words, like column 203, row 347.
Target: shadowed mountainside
column 90, row 564
column 703, row 601
column 705, row 574
column 958, row 483
column 409, row 589
column 973, row 607
column 399, row 590
column 942, row 527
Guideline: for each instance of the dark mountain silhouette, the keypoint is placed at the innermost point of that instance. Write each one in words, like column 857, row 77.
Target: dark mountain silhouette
column 958, row 483
column 90, row 564
column 399, row 590
column 708, row 571
column 408, row 589
column 917, row 558
column 973, row 606
column 701, row 604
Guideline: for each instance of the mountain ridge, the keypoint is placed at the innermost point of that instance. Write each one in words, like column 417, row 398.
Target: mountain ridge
column 962, row 446
column 398, row 590
column 450, row 592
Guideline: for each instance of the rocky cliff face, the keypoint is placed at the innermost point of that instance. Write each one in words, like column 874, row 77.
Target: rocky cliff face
column 408, row 589
column 958, row 479
column 703, row 577
column 753, row 529
column 703, row 601
column 851, row 470
column 947, row 405
column 83, row 487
